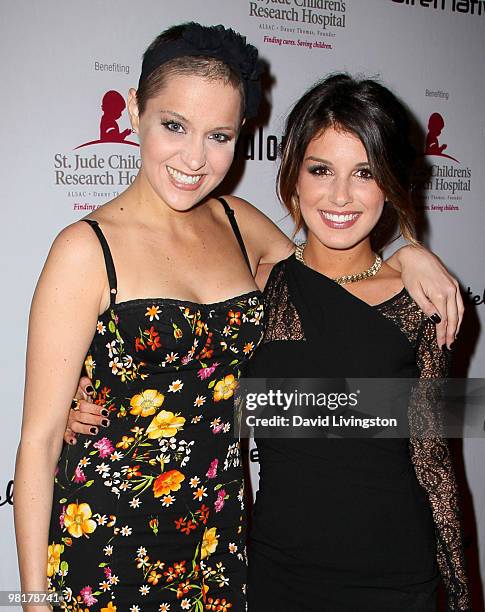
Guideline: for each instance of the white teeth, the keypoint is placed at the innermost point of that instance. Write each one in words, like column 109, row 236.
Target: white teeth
column 184, row 178
column 339, row 218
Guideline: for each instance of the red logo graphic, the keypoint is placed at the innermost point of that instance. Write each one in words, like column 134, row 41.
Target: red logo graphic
column 113, row 105
column 436, row 123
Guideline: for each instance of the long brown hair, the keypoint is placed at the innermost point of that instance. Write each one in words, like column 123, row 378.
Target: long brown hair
column 371, row 112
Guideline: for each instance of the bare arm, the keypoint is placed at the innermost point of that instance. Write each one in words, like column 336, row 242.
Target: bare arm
column 265, row 242
column 62, row 319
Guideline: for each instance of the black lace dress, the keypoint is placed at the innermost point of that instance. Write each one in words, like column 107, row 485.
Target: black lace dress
column 361, row 524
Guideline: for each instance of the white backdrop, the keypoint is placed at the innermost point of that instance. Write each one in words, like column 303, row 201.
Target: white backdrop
column 59, row 58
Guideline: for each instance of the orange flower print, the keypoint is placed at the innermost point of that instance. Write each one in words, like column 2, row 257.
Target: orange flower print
column 133, row 471
column 234, row 317
column 154, row 577
column 183, row 589
column 54, row 558
column 165, row 425
column 166, row 482
column 205, row 353
column 109, row 608
column 146, row 402
column 200, row 327
column 248, row 347
column 153, row 313
column 78, row 521
column 153, row 338
column 218, row 605
column 224, row 388
column 209, row 542
column 139, row 344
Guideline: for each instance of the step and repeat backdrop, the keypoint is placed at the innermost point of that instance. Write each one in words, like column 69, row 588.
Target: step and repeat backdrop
column 65, row 64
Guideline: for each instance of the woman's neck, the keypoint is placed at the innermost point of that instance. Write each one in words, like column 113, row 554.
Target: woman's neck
column 147, row 206
column 338, row 262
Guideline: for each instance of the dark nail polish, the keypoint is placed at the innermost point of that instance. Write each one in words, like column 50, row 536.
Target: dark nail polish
column 71, row 441
column 105, row 422
column 93, row 430
column 74, row 403
column 104, row 412
column 435, row 317
column 89, row 389
column 452, row 346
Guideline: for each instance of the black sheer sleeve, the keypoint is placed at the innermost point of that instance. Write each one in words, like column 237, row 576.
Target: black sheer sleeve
column 429, row 449
column 283, row 321
column 431, row 457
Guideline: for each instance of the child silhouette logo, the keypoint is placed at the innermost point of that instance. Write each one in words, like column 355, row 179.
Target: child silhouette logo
column 436, row 123
column 112, row 105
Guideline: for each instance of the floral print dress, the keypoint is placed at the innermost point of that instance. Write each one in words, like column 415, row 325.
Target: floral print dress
column 148, row 515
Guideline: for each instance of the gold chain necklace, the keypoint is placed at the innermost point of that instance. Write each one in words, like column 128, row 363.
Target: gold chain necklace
column 346, row 278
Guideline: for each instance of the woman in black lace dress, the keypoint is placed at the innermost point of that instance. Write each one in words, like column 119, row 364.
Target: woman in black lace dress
column 357, row 524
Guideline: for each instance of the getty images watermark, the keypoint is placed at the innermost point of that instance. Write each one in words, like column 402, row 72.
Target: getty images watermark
column 350, row 408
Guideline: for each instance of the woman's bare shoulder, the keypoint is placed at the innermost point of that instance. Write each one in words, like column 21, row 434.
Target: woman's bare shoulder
column 260, row 233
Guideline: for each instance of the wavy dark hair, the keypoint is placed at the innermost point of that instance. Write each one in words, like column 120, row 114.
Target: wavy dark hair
column 368, row 110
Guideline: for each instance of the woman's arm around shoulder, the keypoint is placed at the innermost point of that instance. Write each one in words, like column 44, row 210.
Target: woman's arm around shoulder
column 62, row 321
column 434, row 289
column 266, row 244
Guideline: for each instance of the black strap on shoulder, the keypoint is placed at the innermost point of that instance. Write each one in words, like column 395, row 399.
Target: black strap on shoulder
column 232, row 220
column 110, row 267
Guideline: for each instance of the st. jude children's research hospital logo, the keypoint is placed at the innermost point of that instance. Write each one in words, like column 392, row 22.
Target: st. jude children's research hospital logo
column 111, row 160
column 441, row 179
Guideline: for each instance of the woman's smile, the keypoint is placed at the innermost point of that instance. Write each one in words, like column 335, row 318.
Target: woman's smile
column 181, row 180
column 339, row 220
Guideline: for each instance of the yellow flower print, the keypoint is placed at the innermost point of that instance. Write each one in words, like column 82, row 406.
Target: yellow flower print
column 209, row 542
column 166, row 482
column 54, row 558
column 224, row 388
column 89, row 365
column 146, row 402
column 125, row 442
column 165, row 425
column 77, row 520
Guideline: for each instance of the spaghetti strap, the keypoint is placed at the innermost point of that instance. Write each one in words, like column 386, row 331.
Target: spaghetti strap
column 232, row 220
column 110, row 267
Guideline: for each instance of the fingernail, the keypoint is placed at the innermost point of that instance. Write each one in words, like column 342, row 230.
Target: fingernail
column 72, row 441
column 452, row 346
column 89, row 389
column 93, row 430
column 105, row 422
column 104, row 412
column 74, row 403
column 435, row 317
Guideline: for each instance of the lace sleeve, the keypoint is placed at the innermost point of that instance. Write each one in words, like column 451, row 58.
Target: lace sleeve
column 283, row 321
column 431, row 456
